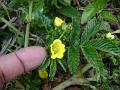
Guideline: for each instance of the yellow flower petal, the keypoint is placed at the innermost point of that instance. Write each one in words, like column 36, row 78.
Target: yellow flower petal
column 57, row 49
column 60, row 56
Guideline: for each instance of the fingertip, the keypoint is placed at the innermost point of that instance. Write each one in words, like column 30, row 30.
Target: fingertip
column 32, row 56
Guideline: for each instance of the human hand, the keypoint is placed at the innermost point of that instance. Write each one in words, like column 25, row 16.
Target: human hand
column 19, row 62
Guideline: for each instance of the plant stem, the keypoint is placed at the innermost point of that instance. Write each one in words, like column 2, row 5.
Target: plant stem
column 28, row 24
column 27, row 35
column 5, row 8
column 62, row 35
column 86, row 68
column 15, row 30
column 64, row 28
column 76, row 80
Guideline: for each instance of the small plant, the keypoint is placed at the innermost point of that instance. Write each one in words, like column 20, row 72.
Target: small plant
column 77, row 41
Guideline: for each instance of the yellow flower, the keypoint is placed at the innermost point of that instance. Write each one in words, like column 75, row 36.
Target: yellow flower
column 110, row 36
column 57, row 49
column 58, row 22
column 43, row 73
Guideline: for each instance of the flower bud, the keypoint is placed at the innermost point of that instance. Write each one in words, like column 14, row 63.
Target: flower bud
column 43, row 73
column 58, row 22
column 110, row 36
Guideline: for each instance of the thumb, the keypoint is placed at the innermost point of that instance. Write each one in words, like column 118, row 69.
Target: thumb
column 21, row 61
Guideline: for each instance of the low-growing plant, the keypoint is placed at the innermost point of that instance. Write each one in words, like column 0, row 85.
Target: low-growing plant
column 77, row 41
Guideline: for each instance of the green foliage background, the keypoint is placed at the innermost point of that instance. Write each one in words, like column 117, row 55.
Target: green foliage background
column 84, row 38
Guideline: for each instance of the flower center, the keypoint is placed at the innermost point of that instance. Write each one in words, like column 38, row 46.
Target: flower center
column 56, row 49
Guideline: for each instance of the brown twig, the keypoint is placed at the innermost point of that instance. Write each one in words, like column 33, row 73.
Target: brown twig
column 69, row 82
column 76, row 80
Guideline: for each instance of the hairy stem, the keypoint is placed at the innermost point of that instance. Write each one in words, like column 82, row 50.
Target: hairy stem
column 28, row 25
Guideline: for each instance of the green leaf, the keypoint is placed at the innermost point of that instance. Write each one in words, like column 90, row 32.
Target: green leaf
column 49, row 39
column 62, row 64
column 93, row 58
column 106, row 46
column 55, row 2
column 105, row 26
column 65, row 2
column 69, row 11
column 46, row 63
column 91, row 9
column 73, row 51
column 107, row 15
column 92, row 27
column 16, row 3
column 39, row 19
column 106, row 85
column 53, row 68
column 39, row 5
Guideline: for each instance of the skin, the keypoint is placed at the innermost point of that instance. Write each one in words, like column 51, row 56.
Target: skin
column 19, row 62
